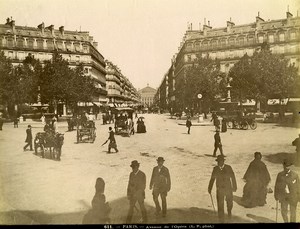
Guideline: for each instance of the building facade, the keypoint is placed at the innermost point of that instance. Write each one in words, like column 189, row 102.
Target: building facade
column 147, row 96
column 120, row 91
column 228, row 44
column 41, row 42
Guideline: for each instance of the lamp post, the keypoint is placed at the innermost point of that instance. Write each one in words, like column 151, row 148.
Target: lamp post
column 199, row 96
column 228, row 90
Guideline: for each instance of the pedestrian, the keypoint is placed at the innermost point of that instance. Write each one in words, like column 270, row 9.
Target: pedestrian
column 1, row 122
column 160, row 184
column 28, row 138
column 216, row 121
column 16, row 122
column 99, row 214
column 287, row 191
column 188, row 124
column 43, row 119
column 136, row 191
column 54, row 125
column 224, row 125
column 296, row 143
column 257, row 178
column 112, row 141
column 226, row 185
column 218, row 143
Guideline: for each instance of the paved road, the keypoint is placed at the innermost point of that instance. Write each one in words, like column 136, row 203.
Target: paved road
column 36, row 190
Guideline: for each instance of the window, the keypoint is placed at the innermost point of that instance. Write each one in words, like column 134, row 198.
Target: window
column 241, row 40
column 251, row 39
column 281, row 37
column 205, row 43
column 39, row 44
column 197, row 45
column 293, row 35
column 189, row 46
column 223, row 42
column 21, row 55
column 214, row 43
column 231, row 41
column 10, row 42
column 11, row 54
column 281, row 49
column 77, row 58
column 271, row 38
column 20, row 42
column 260, row 39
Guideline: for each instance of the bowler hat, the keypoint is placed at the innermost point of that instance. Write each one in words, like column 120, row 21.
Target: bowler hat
column 29, row 125
column 287, row 163
column 134, row 163
column 220, row 158
column 160, row 159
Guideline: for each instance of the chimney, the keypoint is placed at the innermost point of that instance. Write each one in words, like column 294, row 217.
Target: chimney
column 95, row 44
column 259, row 19
column 42, row 27
column 289, row 15
column 191, row 26
column 7, row 21
column 13, row 25
column 51, row 28
column 62, row 30
column 230, row 24
column 206, row 28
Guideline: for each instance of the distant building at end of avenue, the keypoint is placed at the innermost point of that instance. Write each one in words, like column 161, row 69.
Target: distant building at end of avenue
column 147, row 96
column 41, row 42
column 228, row 44
column 120, row 91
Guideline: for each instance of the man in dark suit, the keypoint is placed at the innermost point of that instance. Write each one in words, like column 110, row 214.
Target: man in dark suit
column 136, row 191
column 226, row 185
column 28, row 138
column 161, row 185
column 112, row 141
column 218, row 144
column 287, row 191
column 188, row 124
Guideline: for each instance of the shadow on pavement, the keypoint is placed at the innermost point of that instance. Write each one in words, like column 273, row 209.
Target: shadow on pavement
column 278, row 158
column 209, row 155
column 118, row 215
column 260, row 219
column 238, row 200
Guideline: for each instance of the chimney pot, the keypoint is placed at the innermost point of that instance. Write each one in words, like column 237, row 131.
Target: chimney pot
column 289, row 15
column 62, row 30
column 7, row 21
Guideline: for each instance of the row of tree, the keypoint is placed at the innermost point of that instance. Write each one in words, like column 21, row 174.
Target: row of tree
column 260, row 77
column 53, row 81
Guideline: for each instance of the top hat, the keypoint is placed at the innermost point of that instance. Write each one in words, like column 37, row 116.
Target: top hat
column 29, row 125
column 134, row 163
column 287, row 163
column 160, row 159
column 220, row 158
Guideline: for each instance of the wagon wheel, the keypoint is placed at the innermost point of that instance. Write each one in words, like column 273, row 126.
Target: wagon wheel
column 253, row 125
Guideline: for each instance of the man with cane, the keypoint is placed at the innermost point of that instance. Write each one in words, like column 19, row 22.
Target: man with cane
column 287, row 192
column 226, row 185
column 112, row 141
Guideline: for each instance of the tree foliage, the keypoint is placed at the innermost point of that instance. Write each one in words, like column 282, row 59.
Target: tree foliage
column 203, row 77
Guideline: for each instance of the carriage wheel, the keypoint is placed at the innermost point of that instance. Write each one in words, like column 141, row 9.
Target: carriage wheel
column 253, row 125
column 244, row 126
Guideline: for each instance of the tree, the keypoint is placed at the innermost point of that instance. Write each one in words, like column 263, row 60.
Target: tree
column 203, row 77
column 264, row 76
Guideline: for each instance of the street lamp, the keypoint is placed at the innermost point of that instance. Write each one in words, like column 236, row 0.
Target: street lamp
column 228, row 90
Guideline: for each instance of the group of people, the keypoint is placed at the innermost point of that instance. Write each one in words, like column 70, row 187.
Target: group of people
column 160, row 184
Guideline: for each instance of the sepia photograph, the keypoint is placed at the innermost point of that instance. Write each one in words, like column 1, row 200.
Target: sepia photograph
column 150, row 113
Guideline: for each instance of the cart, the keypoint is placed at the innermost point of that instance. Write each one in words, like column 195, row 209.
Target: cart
column 123, row 120
column 86, row 132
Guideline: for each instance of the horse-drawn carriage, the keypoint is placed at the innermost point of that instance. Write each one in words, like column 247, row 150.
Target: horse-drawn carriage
column 86, row 131
column 49, row 141
column 242, row 122
column 124, row 122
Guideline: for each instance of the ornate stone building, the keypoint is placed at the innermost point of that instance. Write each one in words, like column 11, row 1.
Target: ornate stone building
column 228, row 44
column 147, row 96
column 120, row 91
column 17, row 42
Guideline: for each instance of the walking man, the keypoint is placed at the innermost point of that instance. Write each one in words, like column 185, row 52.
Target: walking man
column 226, row 185
column 218, row 144
column 161, row 185
column 287, row 191
column 257, row 178
column 112, row 141
column 188, row 124
column 136, row 191
column 28, row 138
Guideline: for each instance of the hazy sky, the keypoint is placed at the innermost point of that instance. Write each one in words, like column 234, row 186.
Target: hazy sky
column 140, row 36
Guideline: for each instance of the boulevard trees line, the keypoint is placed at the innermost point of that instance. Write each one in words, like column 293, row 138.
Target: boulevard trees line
column 260, row 77
column 53, row 81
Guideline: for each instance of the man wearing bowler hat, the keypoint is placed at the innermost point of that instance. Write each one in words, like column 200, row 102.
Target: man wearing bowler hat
column 287, row 191
column 161, row 185
column 136, row 191
column 226, row 185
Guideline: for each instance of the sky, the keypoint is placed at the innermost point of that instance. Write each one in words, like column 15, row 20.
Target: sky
column 141, row 36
